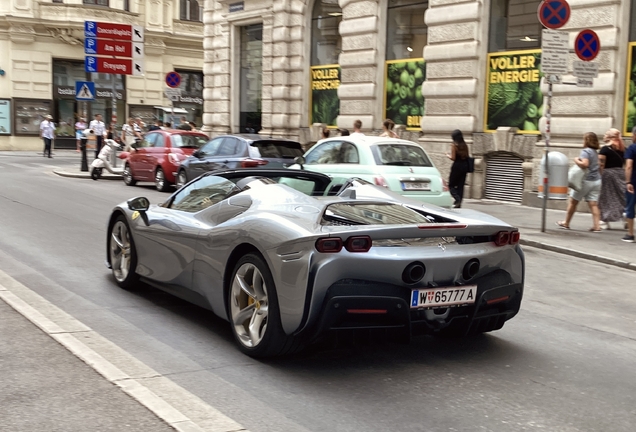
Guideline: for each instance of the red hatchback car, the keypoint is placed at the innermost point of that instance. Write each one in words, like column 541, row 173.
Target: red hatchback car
column 158, row 156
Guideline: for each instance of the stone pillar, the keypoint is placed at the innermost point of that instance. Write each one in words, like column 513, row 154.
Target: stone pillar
column 216, row 70
column 283, row 69
column 359, row 63
column 453, row 69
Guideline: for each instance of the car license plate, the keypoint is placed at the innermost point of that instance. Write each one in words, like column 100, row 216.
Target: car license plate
column 443, row 297
column 416, row 186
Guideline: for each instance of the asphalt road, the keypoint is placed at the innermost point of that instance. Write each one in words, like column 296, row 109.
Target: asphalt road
column 565, row 363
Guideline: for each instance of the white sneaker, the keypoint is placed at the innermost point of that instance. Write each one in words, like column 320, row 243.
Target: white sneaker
column 604, row 225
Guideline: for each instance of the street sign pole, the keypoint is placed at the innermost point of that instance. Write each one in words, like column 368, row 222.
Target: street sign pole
column 546, row 179
column 553, row 14
column 113, row 119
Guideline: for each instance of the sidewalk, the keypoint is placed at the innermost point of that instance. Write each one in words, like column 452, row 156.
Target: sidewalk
column 605, row 247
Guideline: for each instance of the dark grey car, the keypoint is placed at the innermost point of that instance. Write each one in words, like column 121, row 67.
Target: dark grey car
column 238, row 151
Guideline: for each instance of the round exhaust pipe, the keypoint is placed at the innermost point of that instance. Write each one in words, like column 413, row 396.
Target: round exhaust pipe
column 470, row 269
column 413, row 272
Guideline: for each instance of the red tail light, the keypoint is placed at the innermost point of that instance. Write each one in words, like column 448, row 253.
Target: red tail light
column 253, row 163
column 514, row 237
column 329, row 245
column 358, row 244
column 380, row 181
column 502, row 238
column 445, row 186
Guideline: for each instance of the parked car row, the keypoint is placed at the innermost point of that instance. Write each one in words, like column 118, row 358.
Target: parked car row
column 175, row 157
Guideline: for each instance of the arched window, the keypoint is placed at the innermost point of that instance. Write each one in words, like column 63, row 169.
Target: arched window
column 514, row 25
column 326, row 45
column 190, row 10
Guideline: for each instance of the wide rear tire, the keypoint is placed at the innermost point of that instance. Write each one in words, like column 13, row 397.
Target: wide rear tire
column 254, row 313
column 122, row 254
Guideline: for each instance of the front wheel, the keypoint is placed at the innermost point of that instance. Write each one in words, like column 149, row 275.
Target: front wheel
column 122, row 253
column 253, row 310
column 160, row 180
column 182, row 179
column 129, row 180
column 96, row 173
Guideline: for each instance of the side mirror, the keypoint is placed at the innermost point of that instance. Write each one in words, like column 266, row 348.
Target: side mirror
column 300, row 160
column 197, row 153
column 138, row 204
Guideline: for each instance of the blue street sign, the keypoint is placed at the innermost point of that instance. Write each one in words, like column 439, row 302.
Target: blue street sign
column 90, row 46
column 90, row 64
column 90, row 29
column 84, row 91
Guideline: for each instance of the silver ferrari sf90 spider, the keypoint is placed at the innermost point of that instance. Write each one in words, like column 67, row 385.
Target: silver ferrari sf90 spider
column 286, row 256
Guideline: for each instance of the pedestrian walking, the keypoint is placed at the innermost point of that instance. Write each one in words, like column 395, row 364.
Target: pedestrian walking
column 80, row 127
column 184, row 125
column 99, row 129
column 357, row 129
column 611, row 159
column 588, row 159
column 457, row 179
column 130, row 134
column 630, row 196
column 387, row 129
column 47, row 133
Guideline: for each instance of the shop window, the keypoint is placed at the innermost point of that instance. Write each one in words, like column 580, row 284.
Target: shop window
column 190, row 10
column 5, row 117
column 326, row 41
column 326, row 45
column 251, row 77
column 191, row 98
column 629, row 114
column 405, row 69
column 406, row 32
column 96, row 2
column 514, row 25
column 28, row 115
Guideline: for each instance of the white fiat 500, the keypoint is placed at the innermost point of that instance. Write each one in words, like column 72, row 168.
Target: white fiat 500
column 399, row 165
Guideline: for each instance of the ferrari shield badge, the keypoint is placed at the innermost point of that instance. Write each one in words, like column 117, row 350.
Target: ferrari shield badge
column 135, row 215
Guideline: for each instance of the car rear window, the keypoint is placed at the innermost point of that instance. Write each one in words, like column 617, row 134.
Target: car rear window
column 401, row 155
column 188, row 141
column 371, row 214
column 278, row 149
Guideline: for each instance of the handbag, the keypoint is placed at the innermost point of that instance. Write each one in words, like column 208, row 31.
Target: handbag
column 471, row 164
column 576, row 174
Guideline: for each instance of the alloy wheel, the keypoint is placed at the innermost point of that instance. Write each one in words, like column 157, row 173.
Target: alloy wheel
column 181, row 179
column 120, row 251
column 249, row 305
column 160, row 180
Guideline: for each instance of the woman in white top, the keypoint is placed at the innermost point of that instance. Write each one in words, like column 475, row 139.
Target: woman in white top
column 80, row 127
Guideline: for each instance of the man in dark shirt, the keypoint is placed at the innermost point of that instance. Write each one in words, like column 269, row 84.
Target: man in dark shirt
column 630, row 179
column 156, row 126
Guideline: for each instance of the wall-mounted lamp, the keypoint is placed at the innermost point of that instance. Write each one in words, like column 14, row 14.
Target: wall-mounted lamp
column 409, row 49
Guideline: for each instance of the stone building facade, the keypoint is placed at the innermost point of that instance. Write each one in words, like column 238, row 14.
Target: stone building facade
column 456, row 39
column 42, row 57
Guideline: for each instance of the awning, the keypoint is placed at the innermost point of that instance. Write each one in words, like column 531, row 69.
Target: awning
column 172, row 110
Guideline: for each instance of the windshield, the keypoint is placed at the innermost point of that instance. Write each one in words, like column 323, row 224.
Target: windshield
column 371, row 214
column 188, row 141
column 278, row 149
column 400, row 154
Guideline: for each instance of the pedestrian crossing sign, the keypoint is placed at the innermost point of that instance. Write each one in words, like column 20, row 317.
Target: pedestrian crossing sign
column 84, row 91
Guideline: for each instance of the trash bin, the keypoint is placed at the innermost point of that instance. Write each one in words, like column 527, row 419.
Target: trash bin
column 559, row 166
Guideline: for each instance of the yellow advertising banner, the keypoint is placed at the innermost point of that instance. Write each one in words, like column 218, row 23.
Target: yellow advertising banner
column 324, row 105
column 403, row 100
column 630, row 91
column 513, row 91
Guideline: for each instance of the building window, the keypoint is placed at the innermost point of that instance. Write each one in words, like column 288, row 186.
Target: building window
column 406, row 34
column 326, row 41
column 58, row 1
column 514, row 25
column 96, row 2
column 127, row 5
column 190, row 10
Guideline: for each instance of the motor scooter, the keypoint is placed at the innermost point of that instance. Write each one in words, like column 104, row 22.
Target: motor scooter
column 102, row 162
